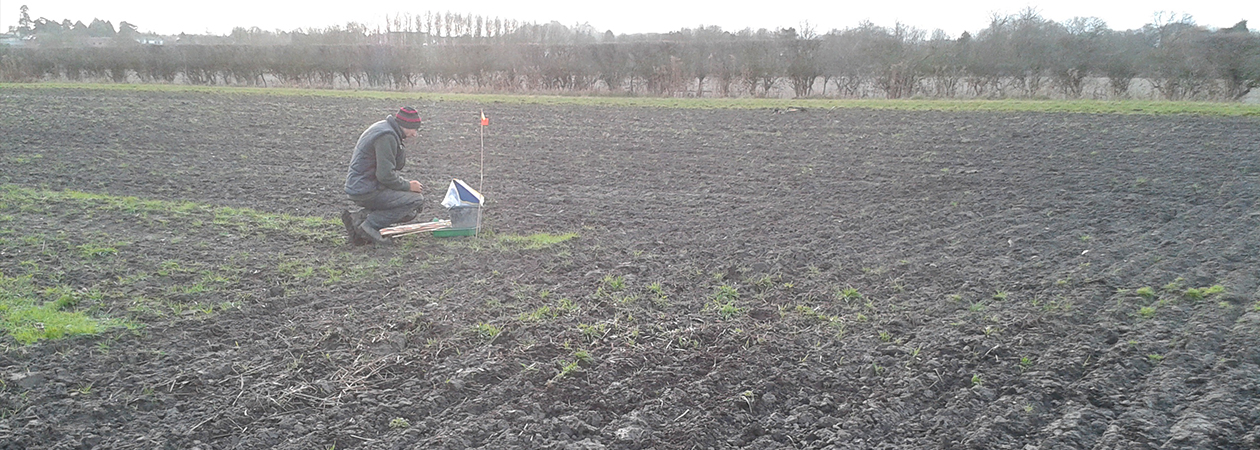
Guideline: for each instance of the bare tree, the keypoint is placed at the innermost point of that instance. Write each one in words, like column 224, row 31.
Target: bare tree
column 1031, row 42
column 944, row 63
column 895, row 57
column 1178, row 68
column 842, row 62
column 658, row 65
column 1234, row 54
column 759, row 64
column 612, row 64
column 725, row 67
column 1077, row 49
column 1121, row 54
column 802, row 65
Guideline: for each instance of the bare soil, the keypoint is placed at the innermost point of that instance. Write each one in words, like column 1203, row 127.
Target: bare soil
column 843, row 278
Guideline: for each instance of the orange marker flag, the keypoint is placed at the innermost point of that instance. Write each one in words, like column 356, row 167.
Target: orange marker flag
column 484, row 120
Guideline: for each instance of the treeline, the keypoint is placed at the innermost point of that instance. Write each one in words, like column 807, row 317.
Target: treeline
column 1022, row 55
column 53, row 33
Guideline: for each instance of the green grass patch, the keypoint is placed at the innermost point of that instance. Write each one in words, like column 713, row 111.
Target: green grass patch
column 39, row 300
column 1203, row 292
column 93, row 250
column 241, row 220
column 534, row 241
column 31, row 316
column 1004, row 105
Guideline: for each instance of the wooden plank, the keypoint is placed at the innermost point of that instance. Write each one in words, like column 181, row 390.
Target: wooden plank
column 415, row 228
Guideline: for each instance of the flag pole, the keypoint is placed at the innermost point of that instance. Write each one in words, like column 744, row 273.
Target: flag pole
column 481, row 167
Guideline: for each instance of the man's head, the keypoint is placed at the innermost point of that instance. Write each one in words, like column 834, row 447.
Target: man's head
column 409, row 120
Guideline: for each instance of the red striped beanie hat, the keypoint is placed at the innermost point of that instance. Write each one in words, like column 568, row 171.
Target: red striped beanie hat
column 408, row 117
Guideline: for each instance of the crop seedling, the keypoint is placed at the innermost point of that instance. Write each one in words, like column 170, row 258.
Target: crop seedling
column 885, row 336
column 748, row 397
column 810, row 312
column 1155, row 357
column 614, row 283
column 849, row 294
column 1145, row 292
column 487, row 331
column 566, row 369
column 542, row 313
column 593, row 332
column 91, row 250
column 399, row 423
column 723, row 301
column 1146, row 312
column 999, row 295
column 976, row 380
column 764, row 282
column 658, row 294
column 1025, row 363
column 656, row 288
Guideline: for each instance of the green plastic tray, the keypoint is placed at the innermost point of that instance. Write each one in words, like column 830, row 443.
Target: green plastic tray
column 455, row 232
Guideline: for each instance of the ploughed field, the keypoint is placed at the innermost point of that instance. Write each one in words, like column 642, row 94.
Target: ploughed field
column 646, row 278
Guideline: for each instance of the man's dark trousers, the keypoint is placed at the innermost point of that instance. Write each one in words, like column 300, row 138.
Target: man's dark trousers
column 388, row 207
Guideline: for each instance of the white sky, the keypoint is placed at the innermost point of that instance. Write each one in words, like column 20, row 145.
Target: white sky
column 620, row 16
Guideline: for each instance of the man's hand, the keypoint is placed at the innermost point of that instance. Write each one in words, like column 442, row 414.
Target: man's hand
column 416, row 187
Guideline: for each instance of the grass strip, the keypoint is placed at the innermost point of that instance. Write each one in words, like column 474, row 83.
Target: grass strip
column 239, row 219
column 1147, row 107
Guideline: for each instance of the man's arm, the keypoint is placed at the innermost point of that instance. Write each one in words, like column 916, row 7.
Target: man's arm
column 386, row 151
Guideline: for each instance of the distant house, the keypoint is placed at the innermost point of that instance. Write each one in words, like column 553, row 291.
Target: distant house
column 12, row 40
column 151, row 40
column 99, row 41
column 404, row 39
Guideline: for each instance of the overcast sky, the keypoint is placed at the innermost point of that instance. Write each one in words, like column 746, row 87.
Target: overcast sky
column 622, row 17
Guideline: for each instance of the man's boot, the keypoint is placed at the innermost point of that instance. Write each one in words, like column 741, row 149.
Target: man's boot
column 373, row 234
column 353, row 235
